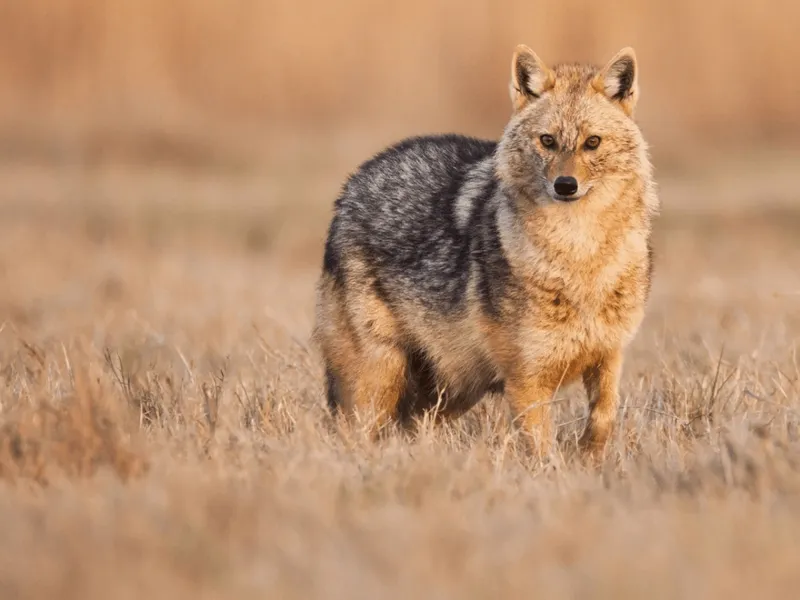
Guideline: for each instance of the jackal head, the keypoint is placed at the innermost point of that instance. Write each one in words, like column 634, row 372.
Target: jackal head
column 572, row 132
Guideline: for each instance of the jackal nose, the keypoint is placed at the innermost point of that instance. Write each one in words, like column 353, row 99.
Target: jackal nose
column 565, row 186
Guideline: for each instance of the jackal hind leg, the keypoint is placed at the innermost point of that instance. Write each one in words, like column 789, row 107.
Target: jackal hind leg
column 379, row 386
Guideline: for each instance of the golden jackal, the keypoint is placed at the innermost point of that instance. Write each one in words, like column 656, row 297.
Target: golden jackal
column 454, row 266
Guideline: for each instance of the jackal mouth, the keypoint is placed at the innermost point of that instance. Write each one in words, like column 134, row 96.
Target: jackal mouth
column 566, row 193
column 572, row 198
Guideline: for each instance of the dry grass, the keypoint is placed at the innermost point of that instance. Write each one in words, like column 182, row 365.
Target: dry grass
column 162, row 426
column 163, row 431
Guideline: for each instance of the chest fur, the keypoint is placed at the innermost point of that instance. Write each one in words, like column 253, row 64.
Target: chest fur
column 600, row 307
column 569, row 303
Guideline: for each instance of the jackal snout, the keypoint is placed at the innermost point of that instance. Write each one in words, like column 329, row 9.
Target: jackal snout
column 566, row 180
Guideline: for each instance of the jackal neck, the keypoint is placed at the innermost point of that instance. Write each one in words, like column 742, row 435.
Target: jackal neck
column 591, row 229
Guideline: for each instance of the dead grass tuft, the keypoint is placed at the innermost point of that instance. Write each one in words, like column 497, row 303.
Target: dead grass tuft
column 76, row 432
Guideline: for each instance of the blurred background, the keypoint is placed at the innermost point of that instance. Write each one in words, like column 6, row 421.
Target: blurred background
column 145, row 134
column 276, row 83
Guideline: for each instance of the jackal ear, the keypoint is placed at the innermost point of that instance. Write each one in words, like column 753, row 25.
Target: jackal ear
column 530, row 77
column 618, row 80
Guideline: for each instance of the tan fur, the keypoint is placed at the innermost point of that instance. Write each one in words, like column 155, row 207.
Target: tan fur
column 357, row 334
column 582, row 270
column 586, row 270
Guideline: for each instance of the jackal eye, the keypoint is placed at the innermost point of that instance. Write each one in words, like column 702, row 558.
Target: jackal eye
column 548, row 141
column 592, row 142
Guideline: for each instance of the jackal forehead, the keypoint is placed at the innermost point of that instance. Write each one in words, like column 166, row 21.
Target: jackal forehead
column 573, row 99
column 574, row 112
column 573, row 79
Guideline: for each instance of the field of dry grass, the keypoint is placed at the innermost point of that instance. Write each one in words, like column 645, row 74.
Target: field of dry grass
column 167, row 171
column 164, row 434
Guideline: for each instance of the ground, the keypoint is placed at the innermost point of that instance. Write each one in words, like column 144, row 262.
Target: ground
column 164, row 431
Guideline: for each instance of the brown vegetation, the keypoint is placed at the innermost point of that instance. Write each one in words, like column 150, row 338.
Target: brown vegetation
column 162, row 424
column 164, row 430
column 206, row 80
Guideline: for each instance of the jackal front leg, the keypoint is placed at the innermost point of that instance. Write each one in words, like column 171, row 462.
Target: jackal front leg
column 530, row 398
column 602, row 388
